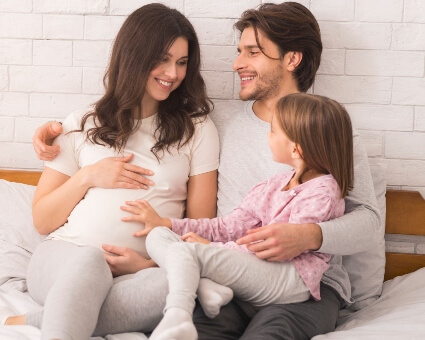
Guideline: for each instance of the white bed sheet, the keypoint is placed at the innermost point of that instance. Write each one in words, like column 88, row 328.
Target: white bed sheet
column 15, row 302
column 398, row 314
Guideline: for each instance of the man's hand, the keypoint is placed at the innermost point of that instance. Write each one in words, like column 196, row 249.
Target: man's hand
column 141, row 211
column 282, row 241
column 191, row 237
column 125, row 260
column 43, row 139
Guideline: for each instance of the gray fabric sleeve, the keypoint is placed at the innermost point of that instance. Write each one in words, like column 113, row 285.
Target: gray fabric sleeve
column 359, row 228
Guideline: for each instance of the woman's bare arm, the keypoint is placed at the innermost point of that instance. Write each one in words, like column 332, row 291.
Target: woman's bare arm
column 202, row 196
column 55, row 197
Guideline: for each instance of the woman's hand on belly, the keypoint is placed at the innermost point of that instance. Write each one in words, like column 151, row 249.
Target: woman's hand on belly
column 117, row 172
column 125, row 260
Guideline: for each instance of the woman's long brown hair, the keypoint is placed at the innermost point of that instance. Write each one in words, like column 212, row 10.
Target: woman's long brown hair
column 143, row 39
column 322, row 128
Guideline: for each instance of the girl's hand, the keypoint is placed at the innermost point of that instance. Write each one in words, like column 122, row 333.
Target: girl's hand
column 143, row 212
column 191, row 237
column 117, row 172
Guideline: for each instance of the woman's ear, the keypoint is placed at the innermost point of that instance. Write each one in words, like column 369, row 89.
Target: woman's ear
column 294, row 59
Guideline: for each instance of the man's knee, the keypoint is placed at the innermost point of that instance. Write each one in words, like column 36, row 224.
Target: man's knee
column 296, row 321
column 228, row 325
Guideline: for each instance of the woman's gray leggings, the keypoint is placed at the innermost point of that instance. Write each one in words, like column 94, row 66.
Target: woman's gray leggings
column 80, row 298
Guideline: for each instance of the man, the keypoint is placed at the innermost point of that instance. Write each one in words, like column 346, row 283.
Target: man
column 279, row 54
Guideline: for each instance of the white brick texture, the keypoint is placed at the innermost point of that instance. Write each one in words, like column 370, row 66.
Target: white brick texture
column 385, row 63
column 414, row 11
column 14, row 104
column 52, row 52
column 333, row 10
column 356, row 89
column 16, row 51
column 17, row 25
column 125, row 7
column 53, row 55
column 4, row 78
column 23, row 6
column 420, row 118
column 356, row 35
column 408, row 37
column 381, row 117
column 45, row 79
column 74, row 6
column 405, row 145
column 98, row 27
column 218, row 9
column 63, row 26
column 379, row 10
column 215, row 31
column 58, row 106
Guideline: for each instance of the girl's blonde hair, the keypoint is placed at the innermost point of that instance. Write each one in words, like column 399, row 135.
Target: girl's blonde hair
column 322, row 128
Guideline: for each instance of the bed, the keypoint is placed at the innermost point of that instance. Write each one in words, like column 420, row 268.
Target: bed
column 399, row 312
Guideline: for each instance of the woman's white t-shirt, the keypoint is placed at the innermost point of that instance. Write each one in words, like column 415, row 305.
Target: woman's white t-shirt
column 96, row 219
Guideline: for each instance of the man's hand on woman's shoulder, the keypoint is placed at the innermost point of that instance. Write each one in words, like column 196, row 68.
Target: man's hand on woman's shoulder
column 43, row 139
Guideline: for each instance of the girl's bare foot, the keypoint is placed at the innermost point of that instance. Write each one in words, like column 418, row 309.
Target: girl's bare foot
column 15, row 320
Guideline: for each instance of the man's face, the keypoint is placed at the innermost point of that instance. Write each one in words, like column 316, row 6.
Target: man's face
column 261, row 77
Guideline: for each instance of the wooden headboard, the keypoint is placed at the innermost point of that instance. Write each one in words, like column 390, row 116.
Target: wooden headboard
column 21, row 176
column 405, row 215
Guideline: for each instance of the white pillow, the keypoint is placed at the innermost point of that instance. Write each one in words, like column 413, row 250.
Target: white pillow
column 18, row 238
column 366, row 269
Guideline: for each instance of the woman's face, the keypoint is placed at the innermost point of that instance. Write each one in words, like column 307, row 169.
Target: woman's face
column 169, row 73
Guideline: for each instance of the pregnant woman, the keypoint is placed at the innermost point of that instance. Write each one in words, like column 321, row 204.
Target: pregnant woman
column 153, row 113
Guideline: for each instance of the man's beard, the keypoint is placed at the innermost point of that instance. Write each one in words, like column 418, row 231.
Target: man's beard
column 267, row 86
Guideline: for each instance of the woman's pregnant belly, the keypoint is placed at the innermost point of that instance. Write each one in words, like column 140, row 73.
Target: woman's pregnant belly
column 96, row 220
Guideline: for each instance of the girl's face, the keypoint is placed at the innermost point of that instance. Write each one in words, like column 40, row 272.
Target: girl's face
column 169, row 73
column 283, row 149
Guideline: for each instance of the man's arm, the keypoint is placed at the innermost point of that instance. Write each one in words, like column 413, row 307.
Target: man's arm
column 359, row 229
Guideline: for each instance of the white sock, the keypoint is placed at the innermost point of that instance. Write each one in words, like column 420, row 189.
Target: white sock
column 212, row 296
column 176, row 324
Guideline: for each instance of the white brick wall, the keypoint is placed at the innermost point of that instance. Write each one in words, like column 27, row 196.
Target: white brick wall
column 53, row 54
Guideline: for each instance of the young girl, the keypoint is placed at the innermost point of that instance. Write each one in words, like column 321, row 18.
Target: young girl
column 313, row 134
column 153, row 113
